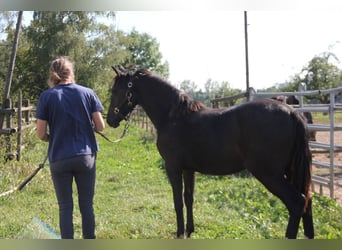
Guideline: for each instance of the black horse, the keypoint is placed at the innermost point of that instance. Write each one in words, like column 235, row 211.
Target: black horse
column 266, row 137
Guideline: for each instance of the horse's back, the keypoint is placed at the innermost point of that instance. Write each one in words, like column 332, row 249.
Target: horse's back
column 228, row 140
column 268, row 134
column 266, row 119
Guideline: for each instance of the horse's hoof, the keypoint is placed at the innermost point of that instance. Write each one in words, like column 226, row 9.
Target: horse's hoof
column 311, row 237
column 182, row 236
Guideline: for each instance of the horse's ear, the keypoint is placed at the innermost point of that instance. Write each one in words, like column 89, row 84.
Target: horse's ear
column 116, row 70
column 122, row 68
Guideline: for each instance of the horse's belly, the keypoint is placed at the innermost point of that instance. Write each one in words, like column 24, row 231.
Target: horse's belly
column 219, row 171
column 216, row 166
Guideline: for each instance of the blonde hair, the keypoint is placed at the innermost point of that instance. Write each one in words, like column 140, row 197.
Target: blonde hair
column 61, row 69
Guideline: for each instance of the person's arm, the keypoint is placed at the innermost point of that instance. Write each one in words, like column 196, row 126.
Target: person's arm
column 42, row 130
column 98, row 121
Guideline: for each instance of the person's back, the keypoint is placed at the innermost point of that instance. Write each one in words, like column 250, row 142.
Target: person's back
column 71, row 112
column 69, row 115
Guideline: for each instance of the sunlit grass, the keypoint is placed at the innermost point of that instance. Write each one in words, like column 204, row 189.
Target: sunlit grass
column 134, row 200
column 323, row 118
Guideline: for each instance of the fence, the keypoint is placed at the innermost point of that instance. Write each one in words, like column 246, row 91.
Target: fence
column 140, row 119
column 316, row 147
column 13, row 126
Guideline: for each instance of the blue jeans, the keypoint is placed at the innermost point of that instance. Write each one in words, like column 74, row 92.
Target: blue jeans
column 83, row 170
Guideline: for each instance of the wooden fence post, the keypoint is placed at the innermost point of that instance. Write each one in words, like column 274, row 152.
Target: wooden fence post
column 8, row 117
column 20, row 116
column 27, row 114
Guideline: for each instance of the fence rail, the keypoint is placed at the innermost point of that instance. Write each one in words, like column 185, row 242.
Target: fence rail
column 140, row 119
column 13, row 126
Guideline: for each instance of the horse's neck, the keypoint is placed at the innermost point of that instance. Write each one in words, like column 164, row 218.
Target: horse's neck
column 156, row 98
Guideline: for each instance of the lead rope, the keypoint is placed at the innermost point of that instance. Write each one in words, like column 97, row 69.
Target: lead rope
column 41, row 165
column 29, row 178
column 123, row 133
column 117, row 140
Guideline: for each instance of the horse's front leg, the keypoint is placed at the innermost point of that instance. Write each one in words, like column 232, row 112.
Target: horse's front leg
column 177, row 187
column 189, row 184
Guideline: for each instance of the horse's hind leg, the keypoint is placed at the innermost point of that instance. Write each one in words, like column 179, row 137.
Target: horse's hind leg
column 189, row 184
column 292, row 226
column 293, row 200
column 308, row 221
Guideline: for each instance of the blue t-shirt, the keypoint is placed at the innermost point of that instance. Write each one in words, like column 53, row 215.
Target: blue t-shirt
column 68, row 110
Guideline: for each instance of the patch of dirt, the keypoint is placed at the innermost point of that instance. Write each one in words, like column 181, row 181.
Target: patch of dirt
column 324, row 137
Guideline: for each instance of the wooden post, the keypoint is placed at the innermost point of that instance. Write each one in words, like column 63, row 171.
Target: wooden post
column 12, row 62
column 27, row 114
column 246, row 54
column 8, row 104
column 19, row 135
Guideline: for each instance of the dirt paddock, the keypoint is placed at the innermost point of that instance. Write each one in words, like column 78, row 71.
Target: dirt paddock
column 324, row 137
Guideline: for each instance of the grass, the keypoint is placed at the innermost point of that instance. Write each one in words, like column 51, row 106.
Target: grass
column 134, row 201
column 321, row 118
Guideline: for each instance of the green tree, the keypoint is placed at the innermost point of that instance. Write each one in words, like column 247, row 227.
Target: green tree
column 7, row 29
column 211, row 87
column 90, row 39
column 320, row 73
column 49, row 35
column 214, row 89
column 189, row 87
column 143, row 52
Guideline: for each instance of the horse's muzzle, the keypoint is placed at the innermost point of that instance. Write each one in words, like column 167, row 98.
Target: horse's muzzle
column 113, row 122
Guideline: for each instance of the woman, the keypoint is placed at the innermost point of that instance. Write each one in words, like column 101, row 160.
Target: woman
column 71, row 113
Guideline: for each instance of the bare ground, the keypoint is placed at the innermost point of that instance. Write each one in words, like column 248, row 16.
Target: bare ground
column 324, row 137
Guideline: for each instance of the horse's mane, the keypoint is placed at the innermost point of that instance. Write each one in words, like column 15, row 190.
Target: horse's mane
column 182, row 103
column 141, row 72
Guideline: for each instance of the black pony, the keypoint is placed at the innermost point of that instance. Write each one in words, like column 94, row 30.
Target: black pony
column 266, row 137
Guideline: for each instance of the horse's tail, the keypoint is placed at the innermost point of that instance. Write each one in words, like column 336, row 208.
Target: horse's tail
column 299, row 173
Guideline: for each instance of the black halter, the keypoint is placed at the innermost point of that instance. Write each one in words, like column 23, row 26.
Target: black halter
column 129, row 95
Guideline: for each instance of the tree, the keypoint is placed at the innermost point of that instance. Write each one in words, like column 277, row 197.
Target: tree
column 320, row 73
column 89, row 40
column 143, row 53
column 49, row 35
column 211, row 88
column 214, row 89
column 7, row 31
column 224, row 91
column 189, row 87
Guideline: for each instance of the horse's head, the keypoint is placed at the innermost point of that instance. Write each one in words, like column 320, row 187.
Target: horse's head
column 122, row 100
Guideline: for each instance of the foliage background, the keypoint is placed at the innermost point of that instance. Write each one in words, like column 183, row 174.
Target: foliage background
column 89, row 38
column 92, row 40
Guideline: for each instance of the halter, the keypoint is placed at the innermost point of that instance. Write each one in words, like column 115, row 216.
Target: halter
column 129, row 96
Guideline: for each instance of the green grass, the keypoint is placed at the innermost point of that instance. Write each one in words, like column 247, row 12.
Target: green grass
column 321, row 118
column 134, row 200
